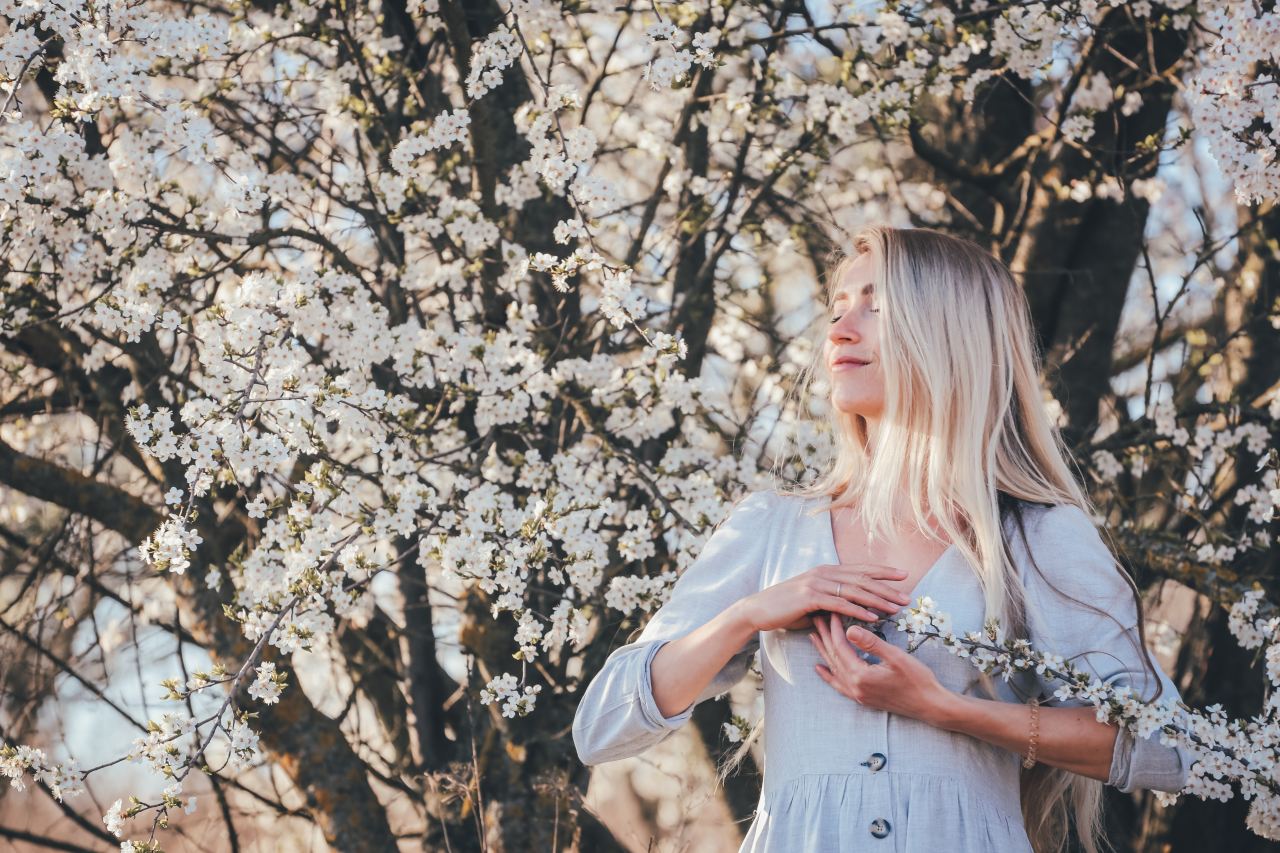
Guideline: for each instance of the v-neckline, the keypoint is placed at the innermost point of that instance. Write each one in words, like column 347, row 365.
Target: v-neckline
column 835, row 554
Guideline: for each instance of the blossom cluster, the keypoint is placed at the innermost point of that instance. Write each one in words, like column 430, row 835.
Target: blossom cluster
column 506, row 689
column 673, row 63
column 169, row 546
column 63, row 779
column 449, row 128
column 268, row 684
column 1235, row 97
column 499, row 50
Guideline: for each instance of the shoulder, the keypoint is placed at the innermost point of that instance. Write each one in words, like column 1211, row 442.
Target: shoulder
column 795, row 500
column 758, row 498
column 764, row 511
column 751, row 502
column 748, row 511
column 1065, row 546
column 1057, row 523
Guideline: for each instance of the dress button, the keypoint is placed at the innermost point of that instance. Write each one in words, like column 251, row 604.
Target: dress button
column 879, row 827
column 875, row 761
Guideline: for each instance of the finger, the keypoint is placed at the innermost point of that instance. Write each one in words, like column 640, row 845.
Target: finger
column 846, row 657
column 827, row 670
column 822, row 650
column 870, row 593
column 825, row 674
column 883, row 596
column 889, row 593
column 869, row 600
column 823, row 639
column 869, row 642
column 840, row 604
column 854, row 590
column 833, row 638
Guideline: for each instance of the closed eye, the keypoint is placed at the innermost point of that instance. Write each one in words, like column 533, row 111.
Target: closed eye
column 836, row 318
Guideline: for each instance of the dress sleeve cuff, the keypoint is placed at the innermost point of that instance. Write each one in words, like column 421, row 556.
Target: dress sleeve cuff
column 1121, row 756
column 648, row 706
column 1147, row 764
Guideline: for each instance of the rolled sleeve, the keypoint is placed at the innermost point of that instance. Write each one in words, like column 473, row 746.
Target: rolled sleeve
column 617, row 716
column 1146, row 764
column 1074, row 562
column 649, row 706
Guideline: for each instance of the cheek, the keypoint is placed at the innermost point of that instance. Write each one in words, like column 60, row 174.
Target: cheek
column 872, row 342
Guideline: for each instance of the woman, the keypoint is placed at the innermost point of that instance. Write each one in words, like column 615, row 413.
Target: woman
column 949, row 481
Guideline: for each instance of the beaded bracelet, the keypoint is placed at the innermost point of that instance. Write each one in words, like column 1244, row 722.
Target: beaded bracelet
column 1030, row 760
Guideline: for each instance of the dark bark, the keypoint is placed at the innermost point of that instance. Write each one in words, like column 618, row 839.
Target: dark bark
column 427, row 683
column 1077, row 259
column 695, row 294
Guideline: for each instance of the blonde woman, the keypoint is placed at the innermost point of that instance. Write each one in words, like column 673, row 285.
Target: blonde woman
column 950, row 481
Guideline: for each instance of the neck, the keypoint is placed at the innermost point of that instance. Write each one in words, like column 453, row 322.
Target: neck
column 873, row 427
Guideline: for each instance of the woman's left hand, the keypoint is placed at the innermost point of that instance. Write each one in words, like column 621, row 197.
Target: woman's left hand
column 900, row 683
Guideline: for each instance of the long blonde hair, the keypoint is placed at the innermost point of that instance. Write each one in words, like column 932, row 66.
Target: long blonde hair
column 965, row 436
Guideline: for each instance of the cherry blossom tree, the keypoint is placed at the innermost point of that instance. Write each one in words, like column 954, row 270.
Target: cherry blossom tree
column 430, row 339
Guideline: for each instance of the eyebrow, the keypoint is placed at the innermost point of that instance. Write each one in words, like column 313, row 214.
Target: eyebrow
column 867, row 289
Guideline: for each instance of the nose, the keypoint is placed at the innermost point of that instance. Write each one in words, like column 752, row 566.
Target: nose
column 844, row 329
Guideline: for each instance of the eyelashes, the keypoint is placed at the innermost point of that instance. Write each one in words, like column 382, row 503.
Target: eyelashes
column 836, row 318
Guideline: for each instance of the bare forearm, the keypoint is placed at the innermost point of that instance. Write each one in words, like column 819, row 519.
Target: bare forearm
column 684, row 667
column 1070, row 738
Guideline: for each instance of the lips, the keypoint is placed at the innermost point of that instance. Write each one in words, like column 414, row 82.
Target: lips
column 847, row 362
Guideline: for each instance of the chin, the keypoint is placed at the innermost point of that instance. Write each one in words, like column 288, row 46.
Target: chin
column 856, row 401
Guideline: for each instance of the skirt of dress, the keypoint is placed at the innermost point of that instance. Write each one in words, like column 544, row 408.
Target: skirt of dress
column 912, row 813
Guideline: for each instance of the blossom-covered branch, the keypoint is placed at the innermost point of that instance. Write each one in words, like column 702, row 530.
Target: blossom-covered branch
column 1240, row 751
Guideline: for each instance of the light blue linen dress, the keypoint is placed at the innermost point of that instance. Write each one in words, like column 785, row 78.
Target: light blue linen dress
column 840, row 775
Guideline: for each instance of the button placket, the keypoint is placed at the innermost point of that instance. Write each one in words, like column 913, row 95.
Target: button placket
column 875, row 762
column 884, row 735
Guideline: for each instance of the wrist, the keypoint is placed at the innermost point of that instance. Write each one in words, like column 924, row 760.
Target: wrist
column 952, row 711
column 737, row 621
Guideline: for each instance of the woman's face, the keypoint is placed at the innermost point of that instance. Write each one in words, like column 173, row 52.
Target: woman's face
column 857, row 386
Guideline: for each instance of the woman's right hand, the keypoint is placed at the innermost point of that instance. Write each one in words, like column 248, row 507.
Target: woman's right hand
column 788, row 605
